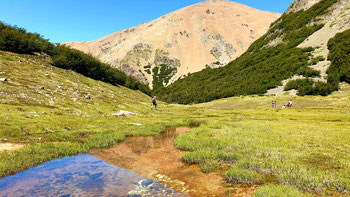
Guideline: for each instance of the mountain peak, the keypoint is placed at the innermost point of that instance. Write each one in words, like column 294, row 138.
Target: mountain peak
column 208, row 34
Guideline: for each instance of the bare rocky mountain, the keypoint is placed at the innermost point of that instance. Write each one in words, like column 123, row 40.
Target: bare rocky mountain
column 208, row 34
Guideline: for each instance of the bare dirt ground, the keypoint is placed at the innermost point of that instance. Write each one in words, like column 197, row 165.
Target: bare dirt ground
column 10, row 147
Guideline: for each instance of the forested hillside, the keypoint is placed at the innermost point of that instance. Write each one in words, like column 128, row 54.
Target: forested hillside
column 271, row 59
column 18, row 40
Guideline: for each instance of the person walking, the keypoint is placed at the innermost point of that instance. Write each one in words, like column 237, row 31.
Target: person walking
column 154, row 102
column 290, row 104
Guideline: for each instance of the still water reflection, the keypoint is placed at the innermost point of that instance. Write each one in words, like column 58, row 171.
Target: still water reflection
column 82, row 175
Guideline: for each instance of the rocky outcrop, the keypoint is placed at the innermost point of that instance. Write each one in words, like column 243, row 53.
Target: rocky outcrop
column 210, row 33
column 298, row 5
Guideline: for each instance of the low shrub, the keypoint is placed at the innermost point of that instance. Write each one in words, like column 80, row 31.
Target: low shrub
column 317, row 59
column 298, row 83
column 309, row 72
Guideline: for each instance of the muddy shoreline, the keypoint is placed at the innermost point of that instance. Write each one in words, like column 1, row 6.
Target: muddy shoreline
column 157, row 158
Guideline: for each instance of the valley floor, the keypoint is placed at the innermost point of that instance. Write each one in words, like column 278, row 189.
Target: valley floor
column 293, row 152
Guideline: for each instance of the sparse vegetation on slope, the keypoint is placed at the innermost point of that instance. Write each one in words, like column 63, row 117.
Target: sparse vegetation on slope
column 262, row 67
column 18, row 40
column 161, row 75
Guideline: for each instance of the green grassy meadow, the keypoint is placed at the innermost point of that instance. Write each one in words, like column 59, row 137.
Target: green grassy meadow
column 55, row 113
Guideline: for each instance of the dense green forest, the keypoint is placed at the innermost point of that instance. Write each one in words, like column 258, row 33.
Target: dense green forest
column 18, row 40
column 262, row 67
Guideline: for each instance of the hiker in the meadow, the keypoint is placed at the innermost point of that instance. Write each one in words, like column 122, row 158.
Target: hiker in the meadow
column 290, row 103
column 274, row 104
column 154, row 102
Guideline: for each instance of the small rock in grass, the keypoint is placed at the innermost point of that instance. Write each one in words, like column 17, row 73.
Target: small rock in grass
column 2, row 73
column 36, row 116
column 123, row 113
column 137, row 124
column 3, row 79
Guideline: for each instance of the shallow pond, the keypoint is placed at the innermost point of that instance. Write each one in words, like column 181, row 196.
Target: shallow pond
column 141, row 166
column 82, row 175
column 157, row 158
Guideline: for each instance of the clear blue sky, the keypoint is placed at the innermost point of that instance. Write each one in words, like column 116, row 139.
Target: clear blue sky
column 85, row 20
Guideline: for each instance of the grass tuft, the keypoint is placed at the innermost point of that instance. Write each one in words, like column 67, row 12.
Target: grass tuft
column 240, row 175
column 279, row 191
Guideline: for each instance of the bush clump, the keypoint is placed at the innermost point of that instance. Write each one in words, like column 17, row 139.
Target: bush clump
column 339, row 55
column 18, row 40
column 298, row 83
column 317, row 59
column 309, row 87
column 309, row 72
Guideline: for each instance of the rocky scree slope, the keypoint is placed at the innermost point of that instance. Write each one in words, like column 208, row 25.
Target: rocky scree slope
column 208, row 34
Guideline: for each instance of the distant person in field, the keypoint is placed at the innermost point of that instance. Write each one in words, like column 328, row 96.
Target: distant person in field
column 290, row 104
column 274, row 104
column 154, row 102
